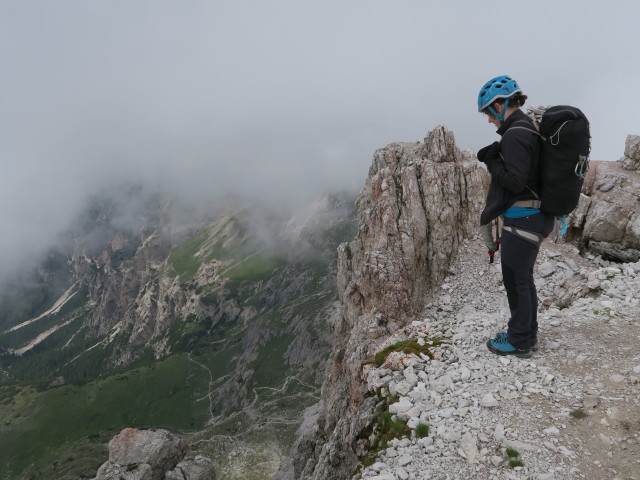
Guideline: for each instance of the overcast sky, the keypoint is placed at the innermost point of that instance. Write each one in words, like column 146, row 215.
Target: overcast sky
column 277, row 97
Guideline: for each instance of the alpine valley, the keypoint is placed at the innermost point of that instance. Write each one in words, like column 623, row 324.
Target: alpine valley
column 214, row 323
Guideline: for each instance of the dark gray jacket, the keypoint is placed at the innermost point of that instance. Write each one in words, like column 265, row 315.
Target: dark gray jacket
column 515, row 174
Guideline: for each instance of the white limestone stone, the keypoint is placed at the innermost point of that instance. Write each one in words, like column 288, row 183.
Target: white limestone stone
column 469, row 447
column 488, row 401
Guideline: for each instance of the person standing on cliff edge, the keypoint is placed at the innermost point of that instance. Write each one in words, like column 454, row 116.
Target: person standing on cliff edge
column 513, row 164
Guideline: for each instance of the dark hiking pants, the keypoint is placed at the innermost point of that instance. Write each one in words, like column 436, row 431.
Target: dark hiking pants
column 518, row 257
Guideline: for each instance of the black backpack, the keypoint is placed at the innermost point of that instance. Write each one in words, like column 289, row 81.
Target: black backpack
column 564, row 158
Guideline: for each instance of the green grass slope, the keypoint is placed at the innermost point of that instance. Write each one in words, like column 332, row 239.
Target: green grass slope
column 42, row 424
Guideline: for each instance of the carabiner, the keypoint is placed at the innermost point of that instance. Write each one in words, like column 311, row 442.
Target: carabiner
column 582, row 166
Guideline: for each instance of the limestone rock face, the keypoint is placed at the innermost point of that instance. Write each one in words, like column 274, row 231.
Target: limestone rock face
column 607, row 219
column 152, row 455
column 631, row 158
column 418, row 204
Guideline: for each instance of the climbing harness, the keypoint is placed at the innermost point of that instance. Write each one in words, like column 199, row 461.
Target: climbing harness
column 530, row 237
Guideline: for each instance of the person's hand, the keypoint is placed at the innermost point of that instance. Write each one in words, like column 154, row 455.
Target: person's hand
column 489, row 153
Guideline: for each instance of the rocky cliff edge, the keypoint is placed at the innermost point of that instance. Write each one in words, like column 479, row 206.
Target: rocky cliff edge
column 419, row 203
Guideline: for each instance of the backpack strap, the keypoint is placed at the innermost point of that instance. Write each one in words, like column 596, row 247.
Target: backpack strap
column 528, row 128
column 534, row 194
column 532, row 130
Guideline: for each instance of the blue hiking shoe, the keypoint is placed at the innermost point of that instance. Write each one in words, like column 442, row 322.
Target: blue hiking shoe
column 534, row 341
column 501, row 346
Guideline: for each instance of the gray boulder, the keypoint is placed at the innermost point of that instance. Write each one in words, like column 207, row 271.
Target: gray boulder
column 152, row 455
column 192, row 468
column 631, row 158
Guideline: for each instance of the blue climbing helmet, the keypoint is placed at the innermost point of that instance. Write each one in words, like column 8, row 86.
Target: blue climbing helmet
column 498, row 87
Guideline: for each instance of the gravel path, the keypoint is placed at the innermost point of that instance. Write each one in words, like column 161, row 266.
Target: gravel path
column 570, row 412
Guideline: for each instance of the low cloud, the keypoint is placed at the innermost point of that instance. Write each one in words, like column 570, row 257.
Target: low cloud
column 278, row 101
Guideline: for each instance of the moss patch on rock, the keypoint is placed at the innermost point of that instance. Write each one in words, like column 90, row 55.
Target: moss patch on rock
column 407, row 346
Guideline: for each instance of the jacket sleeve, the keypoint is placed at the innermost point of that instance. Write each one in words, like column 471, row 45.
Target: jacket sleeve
column 517, row 150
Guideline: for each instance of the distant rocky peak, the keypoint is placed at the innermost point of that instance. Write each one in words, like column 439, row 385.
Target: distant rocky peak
column 440, row 146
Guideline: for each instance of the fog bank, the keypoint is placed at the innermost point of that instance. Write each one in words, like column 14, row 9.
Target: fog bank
column 277, row 100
